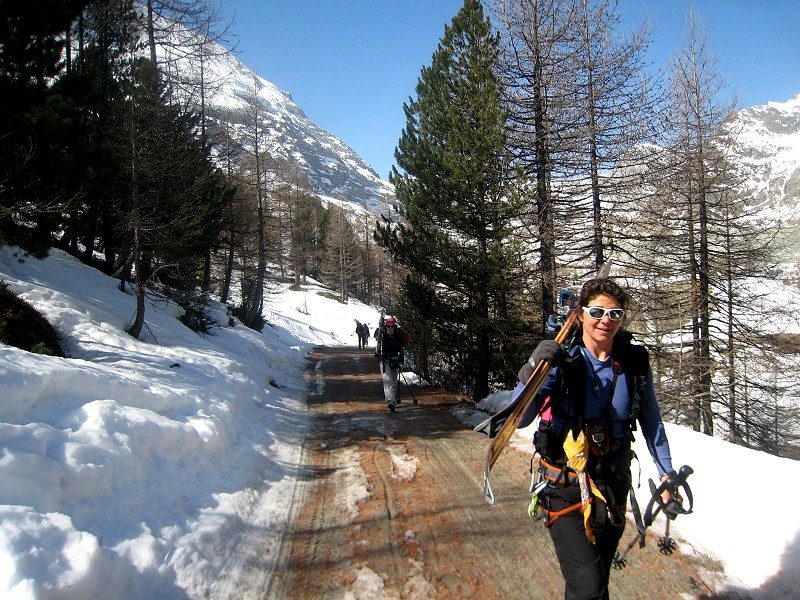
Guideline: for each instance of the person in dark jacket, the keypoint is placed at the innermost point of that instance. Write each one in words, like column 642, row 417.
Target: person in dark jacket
column 360, row 334
column 389, row 351
column 364, row 335
column 595, row 394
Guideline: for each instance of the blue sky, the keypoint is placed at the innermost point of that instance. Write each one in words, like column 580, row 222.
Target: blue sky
column 351, row 64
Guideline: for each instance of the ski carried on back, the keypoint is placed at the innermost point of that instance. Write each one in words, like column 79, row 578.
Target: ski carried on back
column 511, row 415
column 501, row 426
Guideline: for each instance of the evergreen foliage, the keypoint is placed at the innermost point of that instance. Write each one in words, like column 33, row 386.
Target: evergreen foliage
column 181, row 194
column 455, row 208
column 97, row 156
column 34, row 120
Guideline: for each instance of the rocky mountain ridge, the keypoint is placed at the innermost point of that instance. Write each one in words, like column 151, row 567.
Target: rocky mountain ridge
column 334, row 170
column 765, row 145
column 766, row 150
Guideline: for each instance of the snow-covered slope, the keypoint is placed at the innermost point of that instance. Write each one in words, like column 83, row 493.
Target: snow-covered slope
column 165, row 467
column 766, row 148
column 158, row 468
column 332, row 167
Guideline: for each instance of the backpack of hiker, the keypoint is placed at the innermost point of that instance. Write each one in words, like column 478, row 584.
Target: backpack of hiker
column 591, row 388
column 561, row 437
column 405, row 339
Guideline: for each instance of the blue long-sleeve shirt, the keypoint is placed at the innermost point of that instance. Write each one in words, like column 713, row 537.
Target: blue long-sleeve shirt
column 599, row 381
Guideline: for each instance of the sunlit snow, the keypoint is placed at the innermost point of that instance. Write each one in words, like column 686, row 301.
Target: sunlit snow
column 150, row 467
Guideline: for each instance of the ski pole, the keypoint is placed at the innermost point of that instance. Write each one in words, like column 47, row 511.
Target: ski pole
column 621, row 560
column 666, row 545
column 409, row 387
column 671, row 484
column 397, row 386
column 671, row 510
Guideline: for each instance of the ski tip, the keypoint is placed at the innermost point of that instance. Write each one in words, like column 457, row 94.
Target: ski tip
column 484, row 427
column 488, row 495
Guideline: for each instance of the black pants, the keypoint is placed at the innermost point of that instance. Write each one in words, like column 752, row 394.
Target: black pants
column 586, row 567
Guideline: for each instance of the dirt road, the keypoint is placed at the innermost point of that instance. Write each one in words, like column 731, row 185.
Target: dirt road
column 394, row 505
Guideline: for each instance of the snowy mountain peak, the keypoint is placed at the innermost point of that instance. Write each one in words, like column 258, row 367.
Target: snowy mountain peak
column 777, row 118
column 766, row 148
column 765, row 143
column 792, row 105
column 334, row 170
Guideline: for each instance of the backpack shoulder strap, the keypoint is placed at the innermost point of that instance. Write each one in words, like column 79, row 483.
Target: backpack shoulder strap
column 573, row 370
column 636, row 363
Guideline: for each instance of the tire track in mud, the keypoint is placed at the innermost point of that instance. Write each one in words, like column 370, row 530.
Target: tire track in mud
column 393, row 508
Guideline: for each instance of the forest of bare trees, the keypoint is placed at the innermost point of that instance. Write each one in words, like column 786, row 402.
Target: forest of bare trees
column 539, row 144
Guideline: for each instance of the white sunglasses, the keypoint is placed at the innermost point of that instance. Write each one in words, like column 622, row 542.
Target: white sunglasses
column 598, row 313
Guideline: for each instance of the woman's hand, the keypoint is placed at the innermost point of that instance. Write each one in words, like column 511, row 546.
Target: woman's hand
column 668, row 497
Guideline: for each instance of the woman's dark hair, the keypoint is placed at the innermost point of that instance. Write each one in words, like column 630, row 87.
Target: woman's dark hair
column 605, row 287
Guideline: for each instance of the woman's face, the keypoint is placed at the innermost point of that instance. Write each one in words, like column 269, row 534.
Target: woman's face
column 600, row 331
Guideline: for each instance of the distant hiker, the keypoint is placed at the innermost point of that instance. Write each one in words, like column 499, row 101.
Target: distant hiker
column 364, row 335
column 362, row 331
column 390, row 355
column 595, row 394
column 360, row 334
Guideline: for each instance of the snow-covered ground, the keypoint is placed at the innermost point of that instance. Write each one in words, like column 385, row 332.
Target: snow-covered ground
column 138, row 469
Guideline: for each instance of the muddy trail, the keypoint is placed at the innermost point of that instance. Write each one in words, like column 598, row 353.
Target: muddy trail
column 392, row 505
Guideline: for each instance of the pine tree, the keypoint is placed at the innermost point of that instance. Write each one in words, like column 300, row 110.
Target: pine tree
column 537, row 66
column 306, row 217
column 703, row 316
column 96, row 87
column 258, row 177
column 171, row 198
column 454, row 207
column 34, row 121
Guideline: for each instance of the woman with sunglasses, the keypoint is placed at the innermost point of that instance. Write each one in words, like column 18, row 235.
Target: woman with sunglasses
column 597, row 392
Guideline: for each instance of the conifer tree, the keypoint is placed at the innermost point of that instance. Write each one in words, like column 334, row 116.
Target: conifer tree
column 536, row 67
column 454, row 207
column 171, row 199
column 96, row 86
column 35, row 122
column 341, row 262
column 703, row 315
column 258, row 176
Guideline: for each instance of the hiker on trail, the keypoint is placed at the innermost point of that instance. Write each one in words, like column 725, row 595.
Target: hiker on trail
column 595, row 394
column 360, row 334
column 390, row 355
column 364, row 335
